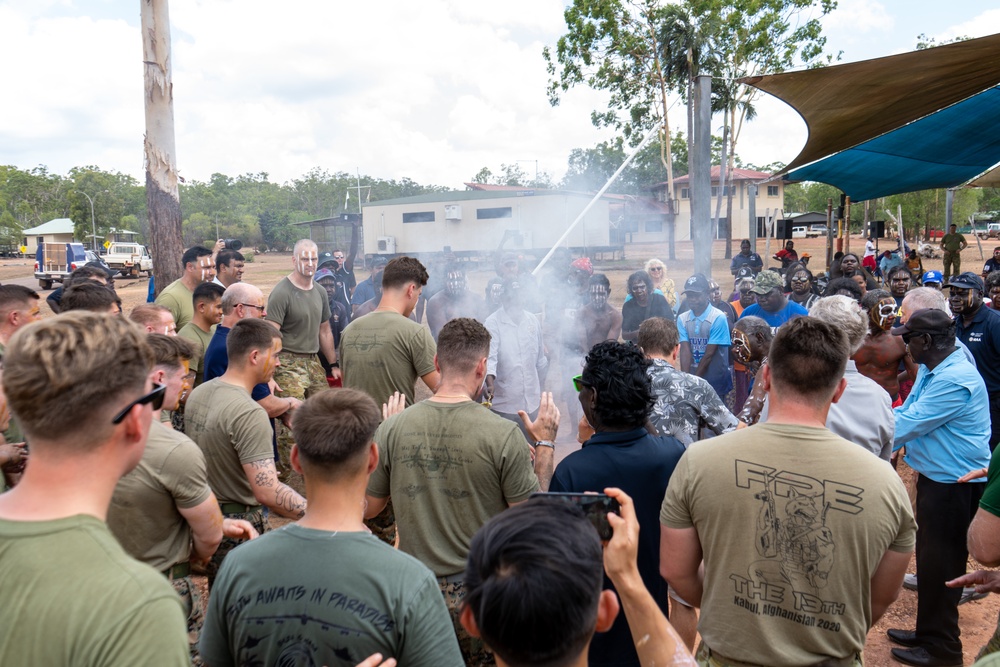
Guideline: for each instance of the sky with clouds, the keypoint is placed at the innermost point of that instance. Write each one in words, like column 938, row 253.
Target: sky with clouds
column 431, row 90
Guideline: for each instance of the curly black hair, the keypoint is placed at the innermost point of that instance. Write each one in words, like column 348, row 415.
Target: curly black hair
column 617, row 371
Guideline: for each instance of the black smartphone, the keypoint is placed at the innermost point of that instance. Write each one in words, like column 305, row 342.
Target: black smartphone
column 595, row 505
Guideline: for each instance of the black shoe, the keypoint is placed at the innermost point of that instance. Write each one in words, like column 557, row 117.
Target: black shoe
column 920, row 657
column 903, row 637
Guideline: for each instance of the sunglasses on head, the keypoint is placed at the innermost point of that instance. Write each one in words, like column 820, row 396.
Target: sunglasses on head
column 155, row 397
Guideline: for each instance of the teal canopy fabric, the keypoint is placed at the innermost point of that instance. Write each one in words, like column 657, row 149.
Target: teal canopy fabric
column 942, row 150
column 912, row 121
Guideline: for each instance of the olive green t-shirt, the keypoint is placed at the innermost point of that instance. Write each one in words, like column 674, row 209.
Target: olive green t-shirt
column 953, row 242
column 232, row 430
column 143, row 513
column 179, row 300
column 200, row 339
column 72, row 597
column 338, row 598
column 793, row 521
column 449, row 468
column 384, row 352
column 299, row 314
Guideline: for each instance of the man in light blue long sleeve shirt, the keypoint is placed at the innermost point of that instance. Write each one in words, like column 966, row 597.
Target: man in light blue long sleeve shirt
column 945, row 427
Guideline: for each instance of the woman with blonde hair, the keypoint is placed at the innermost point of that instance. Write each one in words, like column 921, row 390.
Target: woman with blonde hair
column 657, row 270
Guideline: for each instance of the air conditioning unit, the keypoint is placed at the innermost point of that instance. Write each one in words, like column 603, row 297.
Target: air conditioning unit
column 453, row 212
column 387, row 245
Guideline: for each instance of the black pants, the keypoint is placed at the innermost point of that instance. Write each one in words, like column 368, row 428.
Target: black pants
column 513, row 416
column 944, row 512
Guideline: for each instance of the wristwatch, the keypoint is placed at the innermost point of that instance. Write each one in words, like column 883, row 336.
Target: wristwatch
column 545, row 443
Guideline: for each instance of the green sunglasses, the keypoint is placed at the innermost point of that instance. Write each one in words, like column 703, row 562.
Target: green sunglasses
column 578, row 383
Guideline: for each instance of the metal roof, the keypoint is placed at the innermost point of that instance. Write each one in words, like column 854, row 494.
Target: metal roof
column 56, row 226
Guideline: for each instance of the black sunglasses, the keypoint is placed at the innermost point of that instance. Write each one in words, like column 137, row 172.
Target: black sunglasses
column 155, row 397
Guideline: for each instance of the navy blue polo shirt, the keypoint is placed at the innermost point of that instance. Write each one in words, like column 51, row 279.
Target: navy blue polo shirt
column 982, row 337
column 217, row 361
column 640, row 465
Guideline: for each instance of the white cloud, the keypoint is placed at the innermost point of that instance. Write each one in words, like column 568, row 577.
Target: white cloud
column 986, row 23
column 860, row 16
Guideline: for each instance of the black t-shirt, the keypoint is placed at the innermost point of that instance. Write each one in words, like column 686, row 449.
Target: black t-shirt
column 633, row 314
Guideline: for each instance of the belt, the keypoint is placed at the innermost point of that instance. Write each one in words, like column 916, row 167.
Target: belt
column 452, row 578
column 307, row 355
column 237, row 508
column 178, row 571
column 827, row 662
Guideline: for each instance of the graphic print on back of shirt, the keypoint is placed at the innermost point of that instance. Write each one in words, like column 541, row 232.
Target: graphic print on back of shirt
column 796, row 546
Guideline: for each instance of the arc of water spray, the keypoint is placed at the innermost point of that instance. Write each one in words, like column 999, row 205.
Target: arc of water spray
column 600, row 193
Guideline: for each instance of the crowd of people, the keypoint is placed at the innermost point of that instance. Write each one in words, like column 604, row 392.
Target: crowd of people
column 749, row 442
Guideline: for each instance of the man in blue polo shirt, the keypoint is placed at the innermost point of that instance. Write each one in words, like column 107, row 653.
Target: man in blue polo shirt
column 978, row 328
column 772, row 306
column 616, row 395
column 941, row 424
column 704, row 337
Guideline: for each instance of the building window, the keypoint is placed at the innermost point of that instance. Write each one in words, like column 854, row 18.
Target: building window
column 685, row 193
column 422, row 216
column 772, row 191
column 494, row 213
column 715, row 191
column 654, row 226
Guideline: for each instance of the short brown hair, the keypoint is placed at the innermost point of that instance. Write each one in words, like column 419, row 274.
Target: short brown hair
column 148, row 314
column 88, row 295
column 169, row 351
column 808, row 357
column 14, row 296
column 461, row 344
column 404, row 270
column 67, row 376
column 658, row 335
column 247, row 336
column 333, row 429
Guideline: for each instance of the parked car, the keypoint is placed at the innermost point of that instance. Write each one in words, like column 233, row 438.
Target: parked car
column 55, row 261
column 799, row 232
column 129, row 259
column 94, row 258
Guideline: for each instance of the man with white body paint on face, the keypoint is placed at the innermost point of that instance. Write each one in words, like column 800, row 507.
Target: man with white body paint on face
column 299, row 309
column 177, row 296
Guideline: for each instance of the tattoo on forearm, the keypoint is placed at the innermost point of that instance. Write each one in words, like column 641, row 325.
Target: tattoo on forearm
column 289, row 502
column 265, row 478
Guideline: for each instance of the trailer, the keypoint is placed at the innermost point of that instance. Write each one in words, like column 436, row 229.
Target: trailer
column 480, row 224
column 55, row 261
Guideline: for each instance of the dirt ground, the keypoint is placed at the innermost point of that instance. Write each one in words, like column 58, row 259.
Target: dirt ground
column 978, row 619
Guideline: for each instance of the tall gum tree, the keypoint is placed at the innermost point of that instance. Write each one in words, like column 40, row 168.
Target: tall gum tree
column 159, row 152
column 613, row 45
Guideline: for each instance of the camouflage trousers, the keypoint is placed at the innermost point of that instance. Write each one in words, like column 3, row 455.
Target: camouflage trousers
column 474, row 651
column 256, row 519
column 299, row 376
column 383, row 525
column 993, row 645
column 705, row 657
column 194, row 609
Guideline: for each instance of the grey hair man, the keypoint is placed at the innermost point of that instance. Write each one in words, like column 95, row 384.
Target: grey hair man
column 863, row 396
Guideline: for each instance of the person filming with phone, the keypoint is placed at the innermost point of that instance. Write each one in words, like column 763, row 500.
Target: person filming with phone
column 616, row 396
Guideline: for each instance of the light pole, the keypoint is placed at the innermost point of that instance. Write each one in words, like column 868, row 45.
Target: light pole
column 93, row 225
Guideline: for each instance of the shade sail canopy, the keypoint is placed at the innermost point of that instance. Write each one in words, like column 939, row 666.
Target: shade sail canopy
column 990, row 179
column 908, row 122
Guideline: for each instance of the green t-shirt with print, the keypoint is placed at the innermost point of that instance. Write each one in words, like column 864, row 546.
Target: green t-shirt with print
column 72, row 596
column 143, row 513
column 383, row 352
column 232, row 429
column 449, row 468
column 337, row 598
column 793, row 522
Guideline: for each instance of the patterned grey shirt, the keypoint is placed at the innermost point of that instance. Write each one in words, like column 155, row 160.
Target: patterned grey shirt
column 684, row 402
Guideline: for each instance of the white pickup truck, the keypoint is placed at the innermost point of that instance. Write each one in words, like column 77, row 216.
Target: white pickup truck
column 129, row 259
